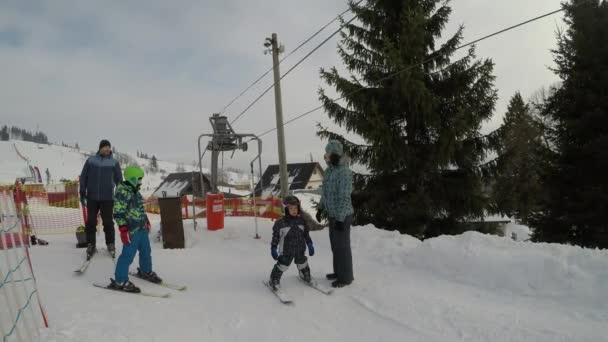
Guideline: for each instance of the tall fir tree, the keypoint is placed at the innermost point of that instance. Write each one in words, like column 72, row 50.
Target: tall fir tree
column 575, row 209
column 4, row 135
column 154, row 163
column 421, row 128
column 519, row 168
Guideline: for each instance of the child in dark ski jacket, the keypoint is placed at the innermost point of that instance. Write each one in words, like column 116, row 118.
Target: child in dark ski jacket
column 290, row 237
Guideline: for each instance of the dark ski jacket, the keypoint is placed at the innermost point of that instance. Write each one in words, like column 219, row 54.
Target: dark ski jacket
column 290, row 234
column 99, row 177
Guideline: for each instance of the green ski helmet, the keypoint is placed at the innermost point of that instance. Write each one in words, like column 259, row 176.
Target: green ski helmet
column 133, row 173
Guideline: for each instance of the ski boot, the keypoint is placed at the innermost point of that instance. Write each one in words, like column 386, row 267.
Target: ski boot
column 275, row 278
column 305, row 274
column 274, row 284
column 339, row 284
column 91, row 250
column 42, row 242
column 111, row 249
column 126, row 286
column 151, row 276
column 36, row 241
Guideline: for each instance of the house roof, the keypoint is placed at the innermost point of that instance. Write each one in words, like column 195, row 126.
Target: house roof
column 179, row 184
column 298, row 173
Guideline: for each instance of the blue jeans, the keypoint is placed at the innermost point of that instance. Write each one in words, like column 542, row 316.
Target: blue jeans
column 139, row 242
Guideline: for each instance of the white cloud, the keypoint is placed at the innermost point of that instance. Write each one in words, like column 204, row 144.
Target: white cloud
column 147, row 75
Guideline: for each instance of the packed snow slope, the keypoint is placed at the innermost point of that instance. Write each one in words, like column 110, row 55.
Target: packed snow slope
column 470, row 287
column 66, row 163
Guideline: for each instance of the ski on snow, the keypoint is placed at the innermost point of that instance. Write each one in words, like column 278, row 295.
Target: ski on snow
column 279, row 293
column 87, row 262
column 163, row 284
column 317, row 286
column 142, row 293
column 84, row 266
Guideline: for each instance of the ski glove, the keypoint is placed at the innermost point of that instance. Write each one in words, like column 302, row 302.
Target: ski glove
column 274, row 252
column 83, row 200
column 311, row 249
column 339, row 226
column 318, row 216
column 124, row 235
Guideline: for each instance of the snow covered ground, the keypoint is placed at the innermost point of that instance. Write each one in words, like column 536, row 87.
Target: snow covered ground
column 522, row 233
column 471, row 287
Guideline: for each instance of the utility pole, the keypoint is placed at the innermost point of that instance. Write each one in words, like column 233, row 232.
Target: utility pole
column 276, row 48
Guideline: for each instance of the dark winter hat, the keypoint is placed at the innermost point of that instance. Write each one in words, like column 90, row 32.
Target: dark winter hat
column 104, row 143
column 291, row 200
column 334, row 147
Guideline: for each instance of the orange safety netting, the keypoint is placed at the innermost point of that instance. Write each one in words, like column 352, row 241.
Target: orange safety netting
column 271, row 208
column 56, row 209
column 43, row 209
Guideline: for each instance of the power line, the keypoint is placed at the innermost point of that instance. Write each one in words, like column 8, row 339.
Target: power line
column 292, row 68
column 420, row 64
column 287, row 56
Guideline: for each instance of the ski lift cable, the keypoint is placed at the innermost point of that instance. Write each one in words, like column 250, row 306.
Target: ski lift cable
column 287, row 56
column 420, row 64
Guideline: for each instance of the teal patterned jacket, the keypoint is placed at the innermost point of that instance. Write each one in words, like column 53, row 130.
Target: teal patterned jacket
column 129, row 208
column 336, row 191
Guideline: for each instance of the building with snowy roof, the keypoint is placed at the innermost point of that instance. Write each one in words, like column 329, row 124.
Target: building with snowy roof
column 180, row 184
column 301, row 176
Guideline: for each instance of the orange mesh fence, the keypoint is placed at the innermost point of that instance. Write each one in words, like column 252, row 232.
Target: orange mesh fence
column 22, row 311
column 271, row 208
column 56, row 209
column 44, row 209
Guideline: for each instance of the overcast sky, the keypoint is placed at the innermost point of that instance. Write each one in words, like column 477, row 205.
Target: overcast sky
column 147, row 74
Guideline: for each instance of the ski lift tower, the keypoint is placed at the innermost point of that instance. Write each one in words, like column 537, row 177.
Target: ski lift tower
column 225, row 139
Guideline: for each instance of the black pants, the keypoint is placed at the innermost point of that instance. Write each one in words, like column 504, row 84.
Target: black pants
column 340, row 248
column 107, row 209
column 284, row 262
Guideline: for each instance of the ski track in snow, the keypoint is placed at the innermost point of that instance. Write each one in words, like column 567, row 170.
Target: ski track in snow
column 365, row 304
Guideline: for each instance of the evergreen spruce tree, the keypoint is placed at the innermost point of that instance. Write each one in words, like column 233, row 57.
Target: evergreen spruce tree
column 575, row 209
column 154, row 163
column 421, row 127
column 4, row 135
column 519, row 167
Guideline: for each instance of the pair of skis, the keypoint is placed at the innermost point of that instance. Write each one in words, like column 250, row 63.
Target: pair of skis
column 82, row 269
column 146, row 293
column 286, row 299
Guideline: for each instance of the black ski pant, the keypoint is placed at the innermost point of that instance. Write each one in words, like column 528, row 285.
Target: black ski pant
column 340, row 248
column 106, row 208
column 284, row 261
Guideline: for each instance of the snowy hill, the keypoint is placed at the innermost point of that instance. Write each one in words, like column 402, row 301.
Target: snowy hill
column 471, row 287
column 66, row 163
column 62, row 162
